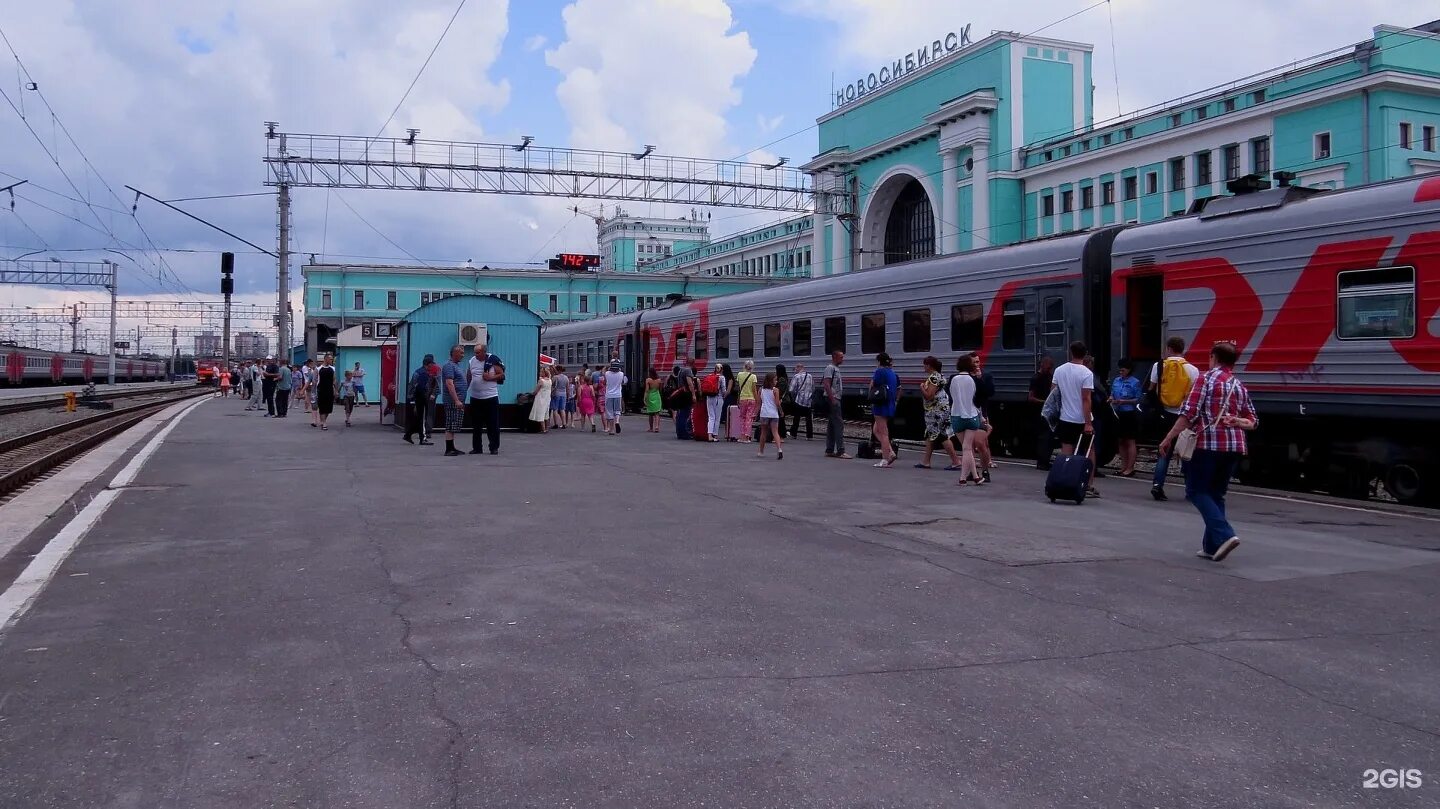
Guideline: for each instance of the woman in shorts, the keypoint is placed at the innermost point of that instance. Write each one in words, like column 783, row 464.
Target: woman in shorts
column 1125, row 400
column 965, row 420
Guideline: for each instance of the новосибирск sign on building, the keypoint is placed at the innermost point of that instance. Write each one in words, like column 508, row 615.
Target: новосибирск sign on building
column 922, row 56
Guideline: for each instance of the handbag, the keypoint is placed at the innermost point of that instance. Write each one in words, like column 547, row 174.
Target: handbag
column 879, row 394
column 1187, row 439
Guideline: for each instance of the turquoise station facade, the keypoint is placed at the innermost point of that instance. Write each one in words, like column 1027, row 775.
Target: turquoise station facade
column 997, row 142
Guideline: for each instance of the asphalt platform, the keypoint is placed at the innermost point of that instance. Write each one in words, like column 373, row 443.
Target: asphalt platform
column 274, row 616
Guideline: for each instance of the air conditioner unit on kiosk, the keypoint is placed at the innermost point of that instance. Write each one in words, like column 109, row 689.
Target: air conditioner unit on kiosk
column 471, row 334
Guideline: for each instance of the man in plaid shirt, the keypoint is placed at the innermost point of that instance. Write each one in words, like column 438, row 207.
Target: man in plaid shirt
column 1220, row 411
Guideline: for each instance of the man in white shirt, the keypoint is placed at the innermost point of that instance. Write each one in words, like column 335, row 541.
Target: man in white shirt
column 1173, row 391
column 1075, row 383
column 486, row 373
column 615, row 381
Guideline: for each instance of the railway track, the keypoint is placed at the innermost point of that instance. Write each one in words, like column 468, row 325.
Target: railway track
column 58, row 399
column 27, row 457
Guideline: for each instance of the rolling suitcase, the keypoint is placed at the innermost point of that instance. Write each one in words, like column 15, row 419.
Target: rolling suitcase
column 699, row 421
column 1069, row 475
column 732, row 424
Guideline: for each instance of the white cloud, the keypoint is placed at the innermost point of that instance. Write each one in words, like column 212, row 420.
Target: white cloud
column 170, row 96
column 651, row 71
column 535, row 43
column 767, row 123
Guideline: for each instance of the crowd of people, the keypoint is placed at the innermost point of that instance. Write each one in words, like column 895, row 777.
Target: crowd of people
column 271, row 386
column 1202, row 415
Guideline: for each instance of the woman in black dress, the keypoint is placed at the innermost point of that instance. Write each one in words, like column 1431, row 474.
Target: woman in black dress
column 325, row 389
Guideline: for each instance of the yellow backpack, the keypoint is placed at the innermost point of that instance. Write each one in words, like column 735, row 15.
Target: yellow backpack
column 1174, row 382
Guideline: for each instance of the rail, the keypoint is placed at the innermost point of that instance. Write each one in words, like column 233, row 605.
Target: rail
column 26, row 457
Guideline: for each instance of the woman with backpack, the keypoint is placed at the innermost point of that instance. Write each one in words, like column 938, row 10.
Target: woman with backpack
column 714, row 388
column 884, row 395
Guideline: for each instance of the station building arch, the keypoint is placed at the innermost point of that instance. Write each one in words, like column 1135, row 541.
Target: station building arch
column 901, row 220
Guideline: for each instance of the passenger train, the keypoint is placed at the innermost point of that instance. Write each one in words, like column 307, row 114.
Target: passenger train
column 1332, row 296
column 33, row 366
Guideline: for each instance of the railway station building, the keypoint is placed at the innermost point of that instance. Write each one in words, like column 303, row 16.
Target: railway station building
column 960, row 145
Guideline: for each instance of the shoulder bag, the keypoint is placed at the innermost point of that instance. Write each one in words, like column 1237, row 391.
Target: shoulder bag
column 1185, row 442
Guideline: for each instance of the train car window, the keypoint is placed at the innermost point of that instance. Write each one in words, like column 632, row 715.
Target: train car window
column 967, row 332
column 702, row 345
column 682, row 346
column 872, row 333
column 1376, row 304
column 915, row 338
column 722, row 344
column 834, row 334
column 1052, row 326
column 801, row 338
column 772, row 339
column 1012, row 325
column 747, row 341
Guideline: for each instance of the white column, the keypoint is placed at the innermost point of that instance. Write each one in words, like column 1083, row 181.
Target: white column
column 817, row 245
column 980, row 195
column 949, row 213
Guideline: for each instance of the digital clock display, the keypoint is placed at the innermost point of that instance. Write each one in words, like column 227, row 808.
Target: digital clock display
column 578, row 261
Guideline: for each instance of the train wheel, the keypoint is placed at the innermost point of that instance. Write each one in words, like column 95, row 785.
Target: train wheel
column 1406, row 484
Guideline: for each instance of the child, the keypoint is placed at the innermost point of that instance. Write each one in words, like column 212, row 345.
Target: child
column 770, row 417
column 347, row 395
column 586, row 406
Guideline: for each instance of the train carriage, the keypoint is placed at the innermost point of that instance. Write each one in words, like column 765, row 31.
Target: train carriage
column 1332, row 298
column 32, row 366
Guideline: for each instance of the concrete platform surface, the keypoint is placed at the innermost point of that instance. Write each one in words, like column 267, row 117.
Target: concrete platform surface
column 275, row 616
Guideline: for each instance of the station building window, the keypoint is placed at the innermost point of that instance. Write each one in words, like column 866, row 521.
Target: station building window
column 390, row 302
column 1067, row 201
column 1177, row 174
column 1152, row 182
column 359, row 299
column 1404, row 134
column 554, row 303
column 1047, row 205
column 1087, row 198
column 324, row 299
column 910, row 230
column 1427, row 138
column 1131, row 188
column 1107, row 192
column 1260, row 156
column 1232, row 162
column 872, row 333
column 1202, row 168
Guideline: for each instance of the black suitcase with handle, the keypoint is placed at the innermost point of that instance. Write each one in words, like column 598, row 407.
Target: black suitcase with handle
column 1069, row 475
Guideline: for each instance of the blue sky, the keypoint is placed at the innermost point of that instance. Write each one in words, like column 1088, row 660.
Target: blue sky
column 170, row 96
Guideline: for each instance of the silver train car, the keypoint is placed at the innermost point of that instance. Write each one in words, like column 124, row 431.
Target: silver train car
column 1332, row 296
column 33, row 366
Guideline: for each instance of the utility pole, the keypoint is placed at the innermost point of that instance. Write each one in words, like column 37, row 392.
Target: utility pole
column 283, row 283
column 227, row 286
column 74, row 327
column 174, row 350
column 114, row 283
column 136, row 347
